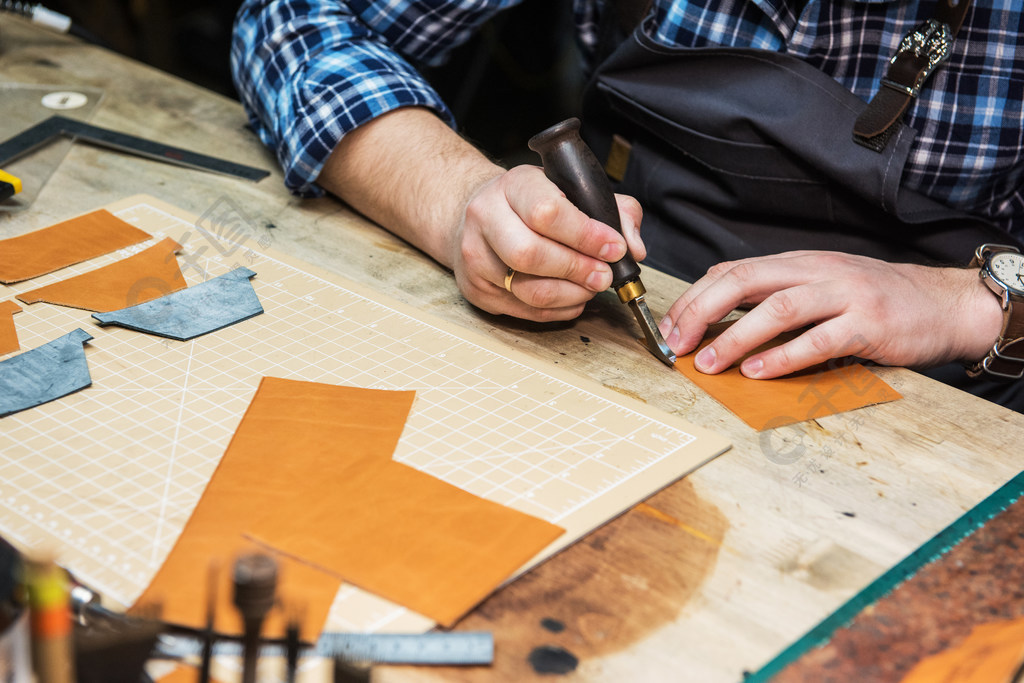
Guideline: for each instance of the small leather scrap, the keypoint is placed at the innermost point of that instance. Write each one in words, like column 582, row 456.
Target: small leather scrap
column 45, row 373
column 8, row 333
column 65, row 244
column 142, row 277
column 818, row 391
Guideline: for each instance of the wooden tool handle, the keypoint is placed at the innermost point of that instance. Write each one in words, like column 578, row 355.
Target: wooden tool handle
column 571, row 165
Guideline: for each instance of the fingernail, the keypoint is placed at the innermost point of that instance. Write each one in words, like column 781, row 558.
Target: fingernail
column 612, row 251
column 598, row 281
column 752, row 368
column 664, row 326
column 705, row 360
column 673, row 339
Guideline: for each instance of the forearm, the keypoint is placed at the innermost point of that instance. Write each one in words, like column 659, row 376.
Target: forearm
column 411, row 173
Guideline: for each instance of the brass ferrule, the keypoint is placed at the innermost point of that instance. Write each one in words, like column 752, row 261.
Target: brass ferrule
column 630, row 291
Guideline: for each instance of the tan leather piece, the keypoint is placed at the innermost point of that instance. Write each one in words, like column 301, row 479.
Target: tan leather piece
column 309, row 472
column 65, row 244
column 815, row 392
column 8, row 333
column 142, row 277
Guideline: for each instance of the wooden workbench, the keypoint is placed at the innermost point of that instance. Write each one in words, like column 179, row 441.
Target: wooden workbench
column 709, row 578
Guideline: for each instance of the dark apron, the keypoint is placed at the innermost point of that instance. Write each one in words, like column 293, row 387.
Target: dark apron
column 741, row 152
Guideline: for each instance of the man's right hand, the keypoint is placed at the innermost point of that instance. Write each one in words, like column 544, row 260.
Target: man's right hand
column 521, row 220
column 412, row 174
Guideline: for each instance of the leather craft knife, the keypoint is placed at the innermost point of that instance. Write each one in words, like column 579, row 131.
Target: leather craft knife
column 571, row 165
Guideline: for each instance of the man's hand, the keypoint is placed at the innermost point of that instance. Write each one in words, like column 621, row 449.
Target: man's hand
column 520, row 220
column 894, row 314
column 416, row 177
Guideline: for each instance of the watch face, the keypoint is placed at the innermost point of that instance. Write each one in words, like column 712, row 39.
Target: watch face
column 1008, row 268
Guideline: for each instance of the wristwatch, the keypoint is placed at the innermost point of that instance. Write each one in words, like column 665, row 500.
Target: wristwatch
column 1002, row 269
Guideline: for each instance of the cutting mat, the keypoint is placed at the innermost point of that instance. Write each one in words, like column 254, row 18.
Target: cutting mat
column 108, row 476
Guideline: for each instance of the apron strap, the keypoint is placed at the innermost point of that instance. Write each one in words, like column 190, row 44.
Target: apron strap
column 919, row 54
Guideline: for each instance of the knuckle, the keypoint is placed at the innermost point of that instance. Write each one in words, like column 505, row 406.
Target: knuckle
column 542, row 214
column 832, row 260
column 588, row 238
column 476, row 210
column 471, row 250
column 780, row 306
column 526, row 257
column 543, row 294
column 720, row 269
column 780, row 359
column 575, row 270
column 820, row 341
column 697, row 310
column 742, row 273
column 728, row 344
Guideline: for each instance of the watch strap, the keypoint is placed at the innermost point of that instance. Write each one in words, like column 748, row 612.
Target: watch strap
column 1006, row 359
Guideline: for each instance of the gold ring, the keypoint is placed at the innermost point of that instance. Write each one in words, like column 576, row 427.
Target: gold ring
column 508, row 280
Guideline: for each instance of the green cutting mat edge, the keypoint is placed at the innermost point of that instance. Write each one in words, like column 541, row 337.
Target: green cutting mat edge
column 932, row 550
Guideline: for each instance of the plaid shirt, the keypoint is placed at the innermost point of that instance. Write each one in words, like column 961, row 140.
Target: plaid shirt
column 309, row 71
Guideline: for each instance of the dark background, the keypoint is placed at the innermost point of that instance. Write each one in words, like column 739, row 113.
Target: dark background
column 518, row 76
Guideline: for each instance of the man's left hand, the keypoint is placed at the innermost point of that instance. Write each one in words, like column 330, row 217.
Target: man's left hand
column 894, row 314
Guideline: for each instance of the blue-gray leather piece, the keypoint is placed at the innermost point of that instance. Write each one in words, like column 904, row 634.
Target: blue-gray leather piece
column 45, row 373
column 194, row 311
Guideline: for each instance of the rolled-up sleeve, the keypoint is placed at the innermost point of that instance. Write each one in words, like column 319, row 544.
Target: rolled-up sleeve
column 310, row 72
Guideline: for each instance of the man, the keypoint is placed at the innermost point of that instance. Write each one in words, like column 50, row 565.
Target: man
column 330, row 86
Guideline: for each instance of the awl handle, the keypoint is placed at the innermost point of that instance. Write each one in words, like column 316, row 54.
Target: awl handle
column 571, row 165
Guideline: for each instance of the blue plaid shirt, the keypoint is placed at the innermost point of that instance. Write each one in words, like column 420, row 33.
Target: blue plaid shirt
column 309, row 71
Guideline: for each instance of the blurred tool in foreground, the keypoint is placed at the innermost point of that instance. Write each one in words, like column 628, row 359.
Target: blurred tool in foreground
column 255, row 582
column 48, row 592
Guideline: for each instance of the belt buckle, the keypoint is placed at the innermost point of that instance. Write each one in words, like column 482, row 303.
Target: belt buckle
column 934, row 40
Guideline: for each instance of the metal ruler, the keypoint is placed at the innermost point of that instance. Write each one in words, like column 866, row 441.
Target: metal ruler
column 935, row 548
column 457, row 648
column 57, row 126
